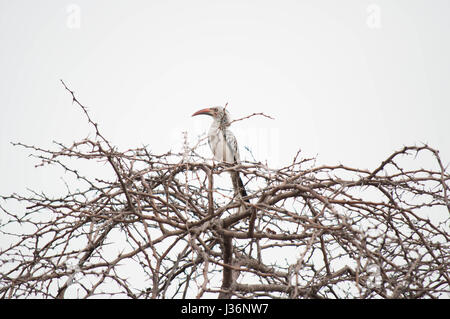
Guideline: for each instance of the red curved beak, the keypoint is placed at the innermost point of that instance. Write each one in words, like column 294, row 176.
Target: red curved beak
column 206, row 111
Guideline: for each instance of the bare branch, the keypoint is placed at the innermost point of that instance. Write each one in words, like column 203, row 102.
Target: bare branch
column 165, row 226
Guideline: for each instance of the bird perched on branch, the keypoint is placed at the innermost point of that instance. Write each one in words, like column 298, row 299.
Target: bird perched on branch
column 223, row 143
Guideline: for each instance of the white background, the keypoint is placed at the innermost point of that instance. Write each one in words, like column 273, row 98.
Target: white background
column 350, row 81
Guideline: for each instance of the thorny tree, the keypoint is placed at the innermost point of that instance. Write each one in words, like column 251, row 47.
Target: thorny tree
column 162, row 226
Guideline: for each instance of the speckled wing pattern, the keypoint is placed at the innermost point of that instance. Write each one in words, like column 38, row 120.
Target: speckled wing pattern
column 233, row 146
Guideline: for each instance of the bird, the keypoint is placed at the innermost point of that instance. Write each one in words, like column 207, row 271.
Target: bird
column 223, row 144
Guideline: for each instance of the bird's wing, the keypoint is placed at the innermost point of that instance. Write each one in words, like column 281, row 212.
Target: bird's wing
column 232, row 144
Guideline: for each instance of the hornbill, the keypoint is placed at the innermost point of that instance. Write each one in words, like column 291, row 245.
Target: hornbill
column 223, row 143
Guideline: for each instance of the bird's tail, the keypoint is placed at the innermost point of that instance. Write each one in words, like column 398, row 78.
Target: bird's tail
column 240, row 191
column 238, row 186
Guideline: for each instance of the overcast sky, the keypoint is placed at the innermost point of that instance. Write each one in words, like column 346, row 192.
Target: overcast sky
column 350, row 81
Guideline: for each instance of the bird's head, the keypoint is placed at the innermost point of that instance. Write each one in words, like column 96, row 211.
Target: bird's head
column 217, row 112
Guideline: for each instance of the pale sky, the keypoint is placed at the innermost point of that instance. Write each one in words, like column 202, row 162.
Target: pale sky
column 350, row 81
